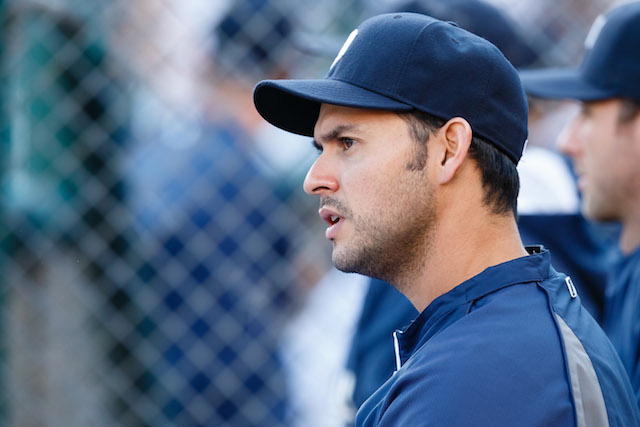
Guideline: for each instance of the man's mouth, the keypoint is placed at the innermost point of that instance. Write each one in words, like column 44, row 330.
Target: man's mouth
column 329, row 216
column 334, row 220
column 581, row 182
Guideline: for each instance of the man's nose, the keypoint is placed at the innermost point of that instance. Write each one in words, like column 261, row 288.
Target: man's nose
column 321, row 178
column 568, row 140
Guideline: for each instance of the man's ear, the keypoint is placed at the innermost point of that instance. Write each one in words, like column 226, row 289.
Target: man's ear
column 456, row 139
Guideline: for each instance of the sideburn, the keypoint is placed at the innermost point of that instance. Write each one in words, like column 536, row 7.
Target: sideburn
column 421, row 125
column 418, row 159
column 629, row 110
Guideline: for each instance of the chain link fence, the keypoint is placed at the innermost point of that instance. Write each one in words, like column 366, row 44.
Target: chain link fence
column 154, row 241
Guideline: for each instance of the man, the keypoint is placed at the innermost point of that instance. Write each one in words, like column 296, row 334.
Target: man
column 548, row 213
column 420, row 125
column 604, row 142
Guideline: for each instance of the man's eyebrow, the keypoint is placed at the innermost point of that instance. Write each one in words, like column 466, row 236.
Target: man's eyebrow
column 334, row 133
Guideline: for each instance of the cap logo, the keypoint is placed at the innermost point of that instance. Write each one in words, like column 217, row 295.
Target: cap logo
column 594, row 32
column 344, row 48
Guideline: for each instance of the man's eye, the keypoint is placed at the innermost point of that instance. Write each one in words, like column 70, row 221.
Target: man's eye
column 317, row 147
column 346, row 143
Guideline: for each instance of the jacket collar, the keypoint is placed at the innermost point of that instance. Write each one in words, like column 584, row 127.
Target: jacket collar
column 456, row 303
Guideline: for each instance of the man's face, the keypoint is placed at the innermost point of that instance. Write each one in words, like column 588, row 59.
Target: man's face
column 375, row 197
column 605, row 157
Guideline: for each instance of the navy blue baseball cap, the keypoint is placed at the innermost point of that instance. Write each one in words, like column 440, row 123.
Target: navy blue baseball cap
column 609, row 69
column 407, row 61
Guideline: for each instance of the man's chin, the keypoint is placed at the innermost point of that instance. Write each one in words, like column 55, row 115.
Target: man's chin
column 349, row 263
column 344, row 262
column 595, row 212
column 342, row 266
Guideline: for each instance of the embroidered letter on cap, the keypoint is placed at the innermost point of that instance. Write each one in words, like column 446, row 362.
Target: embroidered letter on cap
column 345, row 46
column 594, row 32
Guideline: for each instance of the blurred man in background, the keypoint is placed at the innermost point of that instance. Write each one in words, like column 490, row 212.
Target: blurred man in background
column 225, row 262
column 604, row 142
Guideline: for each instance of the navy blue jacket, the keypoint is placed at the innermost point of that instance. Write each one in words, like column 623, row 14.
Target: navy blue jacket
column 370, row 359
column 510, row 346
column 622, row 314
column 579, row 249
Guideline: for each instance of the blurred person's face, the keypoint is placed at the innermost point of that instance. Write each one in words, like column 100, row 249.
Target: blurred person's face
column 374, row 192
column 606, row 156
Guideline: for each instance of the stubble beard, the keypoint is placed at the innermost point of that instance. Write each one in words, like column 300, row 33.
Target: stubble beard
column 393, row 251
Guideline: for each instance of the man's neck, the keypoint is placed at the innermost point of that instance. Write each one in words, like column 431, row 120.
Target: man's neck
column 460, row 251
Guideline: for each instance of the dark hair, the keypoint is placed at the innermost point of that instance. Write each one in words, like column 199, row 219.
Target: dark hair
column 629, row 109
column 500, row 179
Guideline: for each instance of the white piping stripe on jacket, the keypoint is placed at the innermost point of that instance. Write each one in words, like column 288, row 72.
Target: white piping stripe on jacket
column 587, row 394
column 396, row 347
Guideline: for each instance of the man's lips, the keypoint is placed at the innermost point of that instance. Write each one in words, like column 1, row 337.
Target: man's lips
column 329, row 216
column 582, row 183
column 333, row 219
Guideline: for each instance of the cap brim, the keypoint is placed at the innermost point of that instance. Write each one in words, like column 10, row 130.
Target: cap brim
column 561, row 84
column 294, row 105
